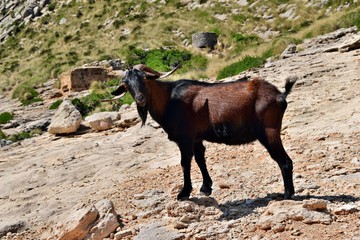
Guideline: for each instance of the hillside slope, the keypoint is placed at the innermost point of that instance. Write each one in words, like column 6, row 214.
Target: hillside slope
column 46, row 178
column 64, row 34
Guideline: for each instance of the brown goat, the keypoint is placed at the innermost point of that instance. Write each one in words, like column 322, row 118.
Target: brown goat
column 233, row 113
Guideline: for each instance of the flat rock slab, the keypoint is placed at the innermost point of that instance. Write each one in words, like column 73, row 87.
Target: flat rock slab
column 156, row 231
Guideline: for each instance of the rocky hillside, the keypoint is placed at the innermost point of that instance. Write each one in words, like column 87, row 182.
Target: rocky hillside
column 41, row 39
column 55, row 185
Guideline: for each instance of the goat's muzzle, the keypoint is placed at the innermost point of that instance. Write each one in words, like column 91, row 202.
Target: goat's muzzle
column 140, row 100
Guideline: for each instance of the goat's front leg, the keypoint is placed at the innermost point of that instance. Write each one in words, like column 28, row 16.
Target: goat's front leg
column 199, row 150
column 187, row 152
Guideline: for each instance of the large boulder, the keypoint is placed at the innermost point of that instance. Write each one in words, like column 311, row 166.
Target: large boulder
column 204, row 40
column 102, row 120
column 91, row 223
column 79, row 223
column 66, row 119
column 106, row 223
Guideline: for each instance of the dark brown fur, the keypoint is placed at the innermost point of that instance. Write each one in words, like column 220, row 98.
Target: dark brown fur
column 233, row 113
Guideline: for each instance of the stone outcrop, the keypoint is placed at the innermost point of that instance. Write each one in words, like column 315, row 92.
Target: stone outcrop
column 14, row 13
column 11, row 227
column 279, row 213
column 204, row 40
column 66, row 119
column 92, row 223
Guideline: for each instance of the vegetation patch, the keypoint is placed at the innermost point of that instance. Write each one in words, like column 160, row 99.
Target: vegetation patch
column 165, row 59
column 5, row 117
column 350, row 19
column 244, row 64
column 24, row 135
column 55, row 104
column 26, row 94
column 2, row 135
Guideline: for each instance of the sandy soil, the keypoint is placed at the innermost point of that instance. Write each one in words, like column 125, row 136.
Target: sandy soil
column 44, row 178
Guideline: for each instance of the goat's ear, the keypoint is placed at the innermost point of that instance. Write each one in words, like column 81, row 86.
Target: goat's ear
column 151, row 76
column 121, row 89
column 149, row 72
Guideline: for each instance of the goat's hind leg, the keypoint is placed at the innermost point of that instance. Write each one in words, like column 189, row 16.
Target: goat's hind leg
column 272, row 142
column 199, row 150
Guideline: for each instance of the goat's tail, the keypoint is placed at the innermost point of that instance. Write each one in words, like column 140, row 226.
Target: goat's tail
column 290, row 81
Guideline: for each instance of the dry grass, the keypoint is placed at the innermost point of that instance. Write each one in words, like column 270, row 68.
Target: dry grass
column 47, row 50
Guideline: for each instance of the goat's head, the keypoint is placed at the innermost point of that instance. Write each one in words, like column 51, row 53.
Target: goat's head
column 135, row 82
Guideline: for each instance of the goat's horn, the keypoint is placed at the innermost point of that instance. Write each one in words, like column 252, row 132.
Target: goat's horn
column 113, row 99
column 164, row 75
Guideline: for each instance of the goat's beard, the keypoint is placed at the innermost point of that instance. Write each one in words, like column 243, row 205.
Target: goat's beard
column 142, row 111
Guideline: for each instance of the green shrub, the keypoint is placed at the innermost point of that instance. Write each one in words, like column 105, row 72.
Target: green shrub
column 89, row 103
column 5, row 117
column 52, row 6
column 55, row 104
column 67, row 38
column 2, row 135
column 45, row 19
column 26, row 94
column 11, row 66
column 245, row 39
column 79, row 14
column 112, row 83
column 118, row 23
column 246, row 63
column 24, row 135
column 73, row 58
column 349, row 20
column 240, row 18
column 165, row 59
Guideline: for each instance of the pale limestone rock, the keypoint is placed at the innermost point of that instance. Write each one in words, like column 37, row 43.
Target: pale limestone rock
column 102, row 120
column 106, row 223
column 346, row 209
column 79, row 223
column 92, row 223
column 66, row 119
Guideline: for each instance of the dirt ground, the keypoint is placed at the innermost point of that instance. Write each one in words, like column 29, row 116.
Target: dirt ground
column 44, row 178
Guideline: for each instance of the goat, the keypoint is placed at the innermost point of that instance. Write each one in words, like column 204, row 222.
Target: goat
column 233, row 113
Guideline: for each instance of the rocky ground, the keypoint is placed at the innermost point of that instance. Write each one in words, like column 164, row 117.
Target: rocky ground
column 46, row 178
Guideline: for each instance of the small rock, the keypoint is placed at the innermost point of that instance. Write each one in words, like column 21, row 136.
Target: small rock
column 63, row 21
column 102, row 120
column 288, row 52
column 156, row 231
column 315, row 205
column 296, row 232
column 346, row 209
column 122, row 234
column 278, row 228
column 224, row 185
column 180, row 225
column 185, row 219
column 11, row 227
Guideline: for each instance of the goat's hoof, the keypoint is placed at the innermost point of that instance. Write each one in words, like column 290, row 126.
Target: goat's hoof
column 288, row 195
column 183, row 195
column 185, row 198
column 206, row 190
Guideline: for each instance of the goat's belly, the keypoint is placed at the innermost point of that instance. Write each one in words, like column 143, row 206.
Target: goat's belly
column 223, row 133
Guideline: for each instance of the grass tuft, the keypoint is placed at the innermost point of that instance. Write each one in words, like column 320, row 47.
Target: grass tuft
column 244, row 64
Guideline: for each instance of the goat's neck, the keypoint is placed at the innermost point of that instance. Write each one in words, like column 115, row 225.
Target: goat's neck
column 159, row 96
